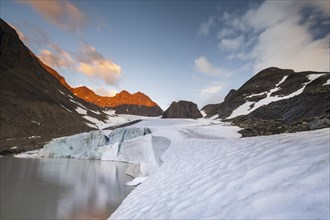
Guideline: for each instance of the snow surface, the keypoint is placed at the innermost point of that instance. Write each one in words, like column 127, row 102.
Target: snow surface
column 81, row 111
column 271, row 177
column 326, row 83
column 249, row 106
column 137, row 181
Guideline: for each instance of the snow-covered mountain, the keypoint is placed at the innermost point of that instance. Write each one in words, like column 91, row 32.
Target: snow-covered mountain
column 277, row 100
column 36, row 102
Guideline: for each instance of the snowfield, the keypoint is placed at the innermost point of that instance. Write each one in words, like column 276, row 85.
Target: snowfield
column 203, row 169
column 209, row 173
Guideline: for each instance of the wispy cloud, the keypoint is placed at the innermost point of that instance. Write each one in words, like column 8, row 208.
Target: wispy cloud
column 231, row 43
column 213, row 89
column 62, row 13
column 202, row 65
column 56, row 57
column 93, row 64
column 87, row 61
column 205, row 27
column 277, row 33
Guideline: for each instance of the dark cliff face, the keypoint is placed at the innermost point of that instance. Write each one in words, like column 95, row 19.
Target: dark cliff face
column 182, row 109
column 297, row 102
column 35, row 105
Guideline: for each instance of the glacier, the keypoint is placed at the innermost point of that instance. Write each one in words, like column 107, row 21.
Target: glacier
column 133, row 145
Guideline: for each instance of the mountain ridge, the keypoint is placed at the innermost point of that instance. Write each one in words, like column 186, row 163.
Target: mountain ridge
column 277, row 100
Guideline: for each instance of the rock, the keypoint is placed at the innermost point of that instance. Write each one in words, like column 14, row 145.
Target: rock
column 182, row 109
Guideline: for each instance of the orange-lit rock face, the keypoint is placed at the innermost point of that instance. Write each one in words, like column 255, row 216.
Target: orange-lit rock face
column 121, row 98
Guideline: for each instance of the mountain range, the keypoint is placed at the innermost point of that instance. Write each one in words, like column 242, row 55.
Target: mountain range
column 37, row 104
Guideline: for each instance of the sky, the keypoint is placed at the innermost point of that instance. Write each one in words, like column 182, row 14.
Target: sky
column 172, row 50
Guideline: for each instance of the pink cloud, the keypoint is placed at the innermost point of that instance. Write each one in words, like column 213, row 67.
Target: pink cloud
column 62, row 13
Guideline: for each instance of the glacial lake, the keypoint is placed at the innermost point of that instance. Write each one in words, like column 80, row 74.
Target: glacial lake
column 48, row 188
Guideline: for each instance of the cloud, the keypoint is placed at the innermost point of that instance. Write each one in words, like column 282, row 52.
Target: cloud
column 87, row 61
column 231, row 44
column 205, row 27
column 280, row 33
column 62, row 13
column 93, row 64
column 295, row 49
column 225, row 32
column 213, row 89
column 104, row 92
column 56, row 57
column 202, row 65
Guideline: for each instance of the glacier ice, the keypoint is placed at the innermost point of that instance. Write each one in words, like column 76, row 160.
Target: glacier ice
column 134, row 145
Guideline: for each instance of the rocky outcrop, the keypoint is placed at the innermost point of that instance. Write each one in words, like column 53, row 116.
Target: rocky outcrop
column 123, row 102
column 276, row 101
column 182, row 109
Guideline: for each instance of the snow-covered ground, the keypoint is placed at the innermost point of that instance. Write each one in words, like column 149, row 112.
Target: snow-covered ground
column 210, row 173
column 202, row 169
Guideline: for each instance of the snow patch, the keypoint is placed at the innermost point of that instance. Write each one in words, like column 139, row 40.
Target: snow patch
column 98, row 123
column 33, row 137
column 81, row 111
column 35, row 122
column 78, row 103
column 326, row 83
column 61, row 92
column 95, row 112
column 203, row 113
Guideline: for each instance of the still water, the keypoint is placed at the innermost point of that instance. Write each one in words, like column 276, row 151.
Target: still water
column 61, row 188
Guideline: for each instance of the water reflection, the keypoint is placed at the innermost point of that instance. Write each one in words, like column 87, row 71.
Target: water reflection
column 61, row 188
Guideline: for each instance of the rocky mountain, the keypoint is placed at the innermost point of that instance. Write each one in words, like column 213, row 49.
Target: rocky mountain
column 277, row 100
column 36, row 102
column 123, row 102
column 182, row 109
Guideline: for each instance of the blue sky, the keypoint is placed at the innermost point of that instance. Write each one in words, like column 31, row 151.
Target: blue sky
column 172, row 50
